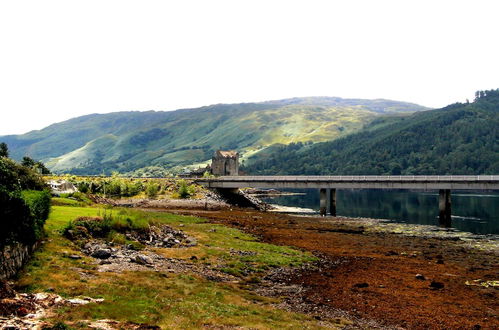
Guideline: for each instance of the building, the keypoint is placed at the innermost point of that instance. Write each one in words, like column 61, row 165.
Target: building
column 61, row 187
column 196, row 173
column 225, row 163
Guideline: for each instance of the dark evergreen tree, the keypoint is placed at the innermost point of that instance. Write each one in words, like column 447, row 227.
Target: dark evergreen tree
column 4, row 150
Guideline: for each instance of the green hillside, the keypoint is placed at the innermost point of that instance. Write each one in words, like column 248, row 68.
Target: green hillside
column 458, row 139
column 127, row 141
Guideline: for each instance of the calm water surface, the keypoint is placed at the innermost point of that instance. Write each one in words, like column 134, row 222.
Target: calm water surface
column 471, row 211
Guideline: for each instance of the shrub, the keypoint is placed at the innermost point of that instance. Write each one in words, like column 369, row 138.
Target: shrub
column 85, row 226
column 113, row 188
column 16, row 177
column 15, row 219
column 152, row 190
column 22, row 215
column 83, row 187
column 185, row 190
column 38, row 202
column 133, row 188
column 80, row 197
column 108, row 225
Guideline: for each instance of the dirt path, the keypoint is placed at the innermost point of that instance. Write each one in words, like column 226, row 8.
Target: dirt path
column 410, row 282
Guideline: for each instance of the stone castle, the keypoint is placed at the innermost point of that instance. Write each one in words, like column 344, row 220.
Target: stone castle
column 225, row 163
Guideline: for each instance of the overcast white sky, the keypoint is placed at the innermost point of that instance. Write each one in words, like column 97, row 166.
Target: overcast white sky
column 62, row 59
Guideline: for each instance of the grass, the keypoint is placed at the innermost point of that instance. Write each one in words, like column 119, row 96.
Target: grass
column 169, row 300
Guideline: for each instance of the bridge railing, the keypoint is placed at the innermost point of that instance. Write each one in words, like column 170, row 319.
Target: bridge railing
column 406, row 178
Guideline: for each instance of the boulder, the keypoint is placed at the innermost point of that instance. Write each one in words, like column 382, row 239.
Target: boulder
column 101, row 254
column 143, row 259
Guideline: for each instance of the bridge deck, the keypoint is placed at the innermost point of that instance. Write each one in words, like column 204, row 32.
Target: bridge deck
column 461, row 182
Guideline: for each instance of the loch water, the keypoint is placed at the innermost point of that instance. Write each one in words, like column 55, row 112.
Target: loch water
column 475, row 212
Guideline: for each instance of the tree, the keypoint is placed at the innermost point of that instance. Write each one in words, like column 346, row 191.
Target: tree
column 4, row 150
column 35, row 165
column 41, row 167
column 28, row 162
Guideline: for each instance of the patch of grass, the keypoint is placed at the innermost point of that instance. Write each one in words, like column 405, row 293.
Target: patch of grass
column 170, row 301
column 235, row 252
column 64, row 201
column 179, row 302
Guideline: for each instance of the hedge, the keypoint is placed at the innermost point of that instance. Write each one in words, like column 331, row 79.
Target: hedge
column 22, row 215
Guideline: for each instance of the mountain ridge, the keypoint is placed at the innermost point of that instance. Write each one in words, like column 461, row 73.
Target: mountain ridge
column 128, row 140
column 457, row 139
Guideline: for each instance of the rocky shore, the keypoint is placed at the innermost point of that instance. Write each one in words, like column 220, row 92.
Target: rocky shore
column 388, row 275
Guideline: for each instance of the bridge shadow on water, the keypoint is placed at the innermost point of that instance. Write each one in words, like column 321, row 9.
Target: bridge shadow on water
column 475, row 212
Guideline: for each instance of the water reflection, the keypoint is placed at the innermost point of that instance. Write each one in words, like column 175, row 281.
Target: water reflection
column 473, row 212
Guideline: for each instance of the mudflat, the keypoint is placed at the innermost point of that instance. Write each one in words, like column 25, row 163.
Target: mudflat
column 394, row 279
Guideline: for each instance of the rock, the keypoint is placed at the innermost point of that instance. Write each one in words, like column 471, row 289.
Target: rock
column 87, row 246
column 105, row 262
column 420, row 277
column 101, row 254
column 143, row 259
column 6, row 291
column 361, row 285
column 74, row 256
column 191, row 241
column 434, row 285
column 77, row 301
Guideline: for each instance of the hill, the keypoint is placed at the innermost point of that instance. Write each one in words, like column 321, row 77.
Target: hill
column 457, row 139
column 159, row 140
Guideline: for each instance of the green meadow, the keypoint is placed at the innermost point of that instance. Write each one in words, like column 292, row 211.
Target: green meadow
column 169, row 300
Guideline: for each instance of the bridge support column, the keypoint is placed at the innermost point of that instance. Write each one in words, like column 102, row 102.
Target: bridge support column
column 444, row 206
column 323, row 201
column 332, row 202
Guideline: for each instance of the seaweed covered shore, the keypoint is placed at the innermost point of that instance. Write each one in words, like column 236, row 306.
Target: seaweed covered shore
column 397, row 275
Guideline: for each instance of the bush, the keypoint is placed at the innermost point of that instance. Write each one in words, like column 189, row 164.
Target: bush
column 80, row 198
column 185, row 190
column 152, row 189
column 83, row 187
column 16, row 177
column 22, row 215
column 83, row 227
column 110, row 226
column 23, row 210
column 38, row 202
column 15, row 219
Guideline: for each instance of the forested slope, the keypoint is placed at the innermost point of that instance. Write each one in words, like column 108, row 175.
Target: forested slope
column 457, row 139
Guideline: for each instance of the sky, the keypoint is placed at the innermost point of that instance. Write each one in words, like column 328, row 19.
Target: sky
column 63, row 59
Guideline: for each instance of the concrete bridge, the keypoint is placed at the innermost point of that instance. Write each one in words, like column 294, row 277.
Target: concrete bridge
column 327, row 186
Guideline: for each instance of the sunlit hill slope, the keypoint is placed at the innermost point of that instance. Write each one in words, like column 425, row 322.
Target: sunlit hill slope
column 166, row 140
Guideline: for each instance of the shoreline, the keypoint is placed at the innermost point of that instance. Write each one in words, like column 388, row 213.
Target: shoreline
column 381, row 271
column 486, row 241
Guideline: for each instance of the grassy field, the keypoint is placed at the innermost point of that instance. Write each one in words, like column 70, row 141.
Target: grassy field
column 170, row 300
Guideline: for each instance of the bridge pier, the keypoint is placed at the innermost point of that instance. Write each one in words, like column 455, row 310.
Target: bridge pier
column 332, row 202
column 327, row 203
column 323, row 201
column 444, row 206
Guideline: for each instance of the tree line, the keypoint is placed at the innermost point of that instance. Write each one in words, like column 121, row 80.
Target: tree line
column 457, row 139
